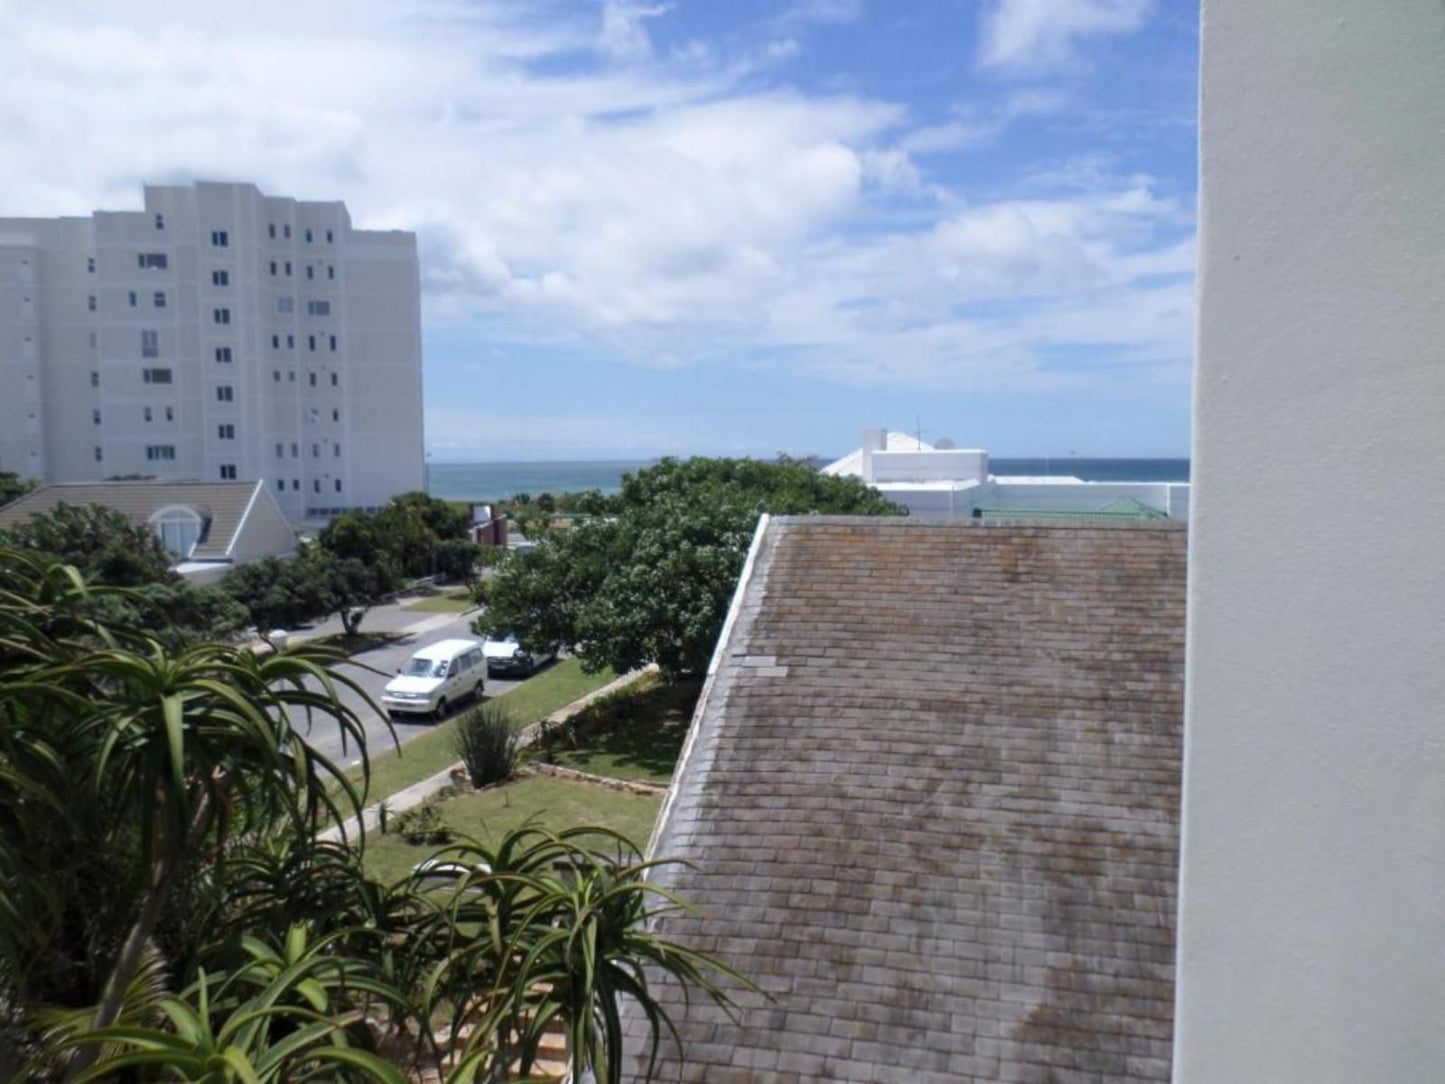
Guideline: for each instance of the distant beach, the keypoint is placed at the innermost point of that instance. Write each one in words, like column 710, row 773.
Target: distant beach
column 500, row 481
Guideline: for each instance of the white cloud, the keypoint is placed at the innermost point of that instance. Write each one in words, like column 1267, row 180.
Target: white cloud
column 1034, row 35
column 801, row 12
column 659, row 207
column 624, row 34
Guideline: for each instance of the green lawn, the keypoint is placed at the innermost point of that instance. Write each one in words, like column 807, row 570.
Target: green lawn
column 538, row 696
column 489, row 814
column 635, row 733
column 455, row 601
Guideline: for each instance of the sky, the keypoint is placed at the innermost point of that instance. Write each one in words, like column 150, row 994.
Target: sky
column 697, row 226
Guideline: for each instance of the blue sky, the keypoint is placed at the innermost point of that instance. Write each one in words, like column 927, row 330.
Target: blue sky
column 701, row 226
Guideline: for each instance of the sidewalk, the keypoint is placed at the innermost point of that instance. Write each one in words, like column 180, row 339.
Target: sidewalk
column 418, row 793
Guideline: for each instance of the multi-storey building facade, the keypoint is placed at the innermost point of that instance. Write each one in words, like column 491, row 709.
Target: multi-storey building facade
column 220, row 334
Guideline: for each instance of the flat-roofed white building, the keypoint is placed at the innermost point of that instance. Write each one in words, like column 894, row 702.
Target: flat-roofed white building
column 957, row 483
column 220, row 334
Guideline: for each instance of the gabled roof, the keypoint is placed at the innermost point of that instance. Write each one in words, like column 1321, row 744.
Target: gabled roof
column 852, row 463
column 930, row 803
column 222, row 506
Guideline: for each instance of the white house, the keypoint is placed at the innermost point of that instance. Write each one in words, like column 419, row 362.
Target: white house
column 211, row 527
column 956, row 483
column 218, row 334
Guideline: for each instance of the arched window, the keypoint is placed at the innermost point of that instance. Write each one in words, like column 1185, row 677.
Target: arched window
column 179, row 528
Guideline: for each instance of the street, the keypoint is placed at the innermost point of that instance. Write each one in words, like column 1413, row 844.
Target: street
column 374, row 668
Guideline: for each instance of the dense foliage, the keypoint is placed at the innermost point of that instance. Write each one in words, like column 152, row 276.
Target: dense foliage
column 167, row 910
column 652, row 582
column 13, row 486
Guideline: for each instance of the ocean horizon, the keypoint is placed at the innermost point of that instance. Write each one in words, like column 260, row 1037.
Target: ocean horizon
column 497, row 481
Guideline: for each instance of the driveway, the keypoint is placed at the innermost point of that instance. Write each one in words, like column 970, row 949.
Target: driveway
column 412, row 630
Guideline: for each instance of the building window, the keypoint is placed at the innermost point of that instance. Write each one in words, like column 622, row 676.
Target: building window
column 155, row 376
column 223, row 355
column 90, row 264
column 285, row 304
column 89, row 302
column 310, row 271
column 315, row 448
column 335, row 379
column 221, row 316
column 179, row 529
column 288, row 269
column 94, row 379
column 330, row 271
column 271, row 229
column 290, row 342
column 226, row 431
column 228, row 472
column 275, row 342
column 313, row 380
column 150, row 344
column 328, row 237
column 316, row 485
column 146, row 413
column 95, row 416
column 131, row 297
column 308, row 236
column 313, row 415
column 220, row 278
column 220, row 239
column 318, row 308
column 160, row 222
column 293, row 449
column 338, row 485
column 160, row 299
column 170, row 414
column 335, row 414
column 152, row 260
column 224, row 393
column 286, row 230
column 311, row 345
column 276, row 375
column 160, row 451
column 97, row 453
column 281, row 485
column 333, row 344
column 290, row 376
column 279, row 451
column 295, row 484
column 273, row 267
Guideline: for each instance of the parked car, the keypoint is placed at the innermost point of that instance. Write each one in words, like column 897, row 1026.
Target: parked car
column 436, row 677
column 505, row 656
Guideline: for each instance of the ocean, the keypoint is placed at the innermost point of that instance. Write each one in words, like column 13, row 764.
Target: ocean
column 501, row 481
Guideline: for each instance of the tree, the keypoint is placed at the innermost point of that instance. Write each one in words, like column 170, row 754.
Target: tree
column 167, row 911
column 353, row 586
column 457, row 559
column 653, row 583
column 101, row 542
column 280, row 592
column 12, row 486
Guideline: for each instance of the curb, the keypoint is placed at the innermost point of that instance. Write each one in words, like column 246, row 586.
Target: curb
column 417, row 793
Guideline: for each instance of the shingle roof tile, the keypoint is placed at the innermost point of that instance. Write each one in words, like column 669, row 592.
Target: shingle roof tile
column 939, row 824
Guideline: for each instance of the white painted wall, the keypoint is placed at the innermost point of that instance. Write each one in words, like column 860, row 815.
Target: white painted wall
column 1312, row 905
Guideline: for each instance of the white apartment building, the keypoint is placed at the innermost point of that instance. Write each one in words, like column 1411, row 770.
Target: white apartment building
column 218, row 335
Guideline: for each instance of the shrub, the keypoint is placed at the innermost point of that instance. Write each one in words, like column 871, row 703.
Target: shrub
column 422, row 825
column 486, row 740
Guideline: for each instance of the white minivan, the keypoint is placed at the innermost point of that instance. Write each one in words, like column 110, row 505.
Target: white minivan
column 436, row 677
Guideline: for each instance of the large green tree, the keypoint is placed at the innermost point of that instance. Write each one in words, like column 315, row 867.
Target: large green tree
column 652, row 583
column 168, row 912
column 99, row 541
column 281, row 592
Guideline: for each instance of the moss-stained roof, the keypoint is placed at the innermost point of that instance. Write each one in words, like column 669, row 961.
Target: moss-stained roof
column 931, row 804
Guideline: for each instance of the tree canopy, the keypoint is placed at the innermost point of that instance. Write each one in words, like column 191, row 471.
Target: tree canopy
column 13, row 486
column 653, row 582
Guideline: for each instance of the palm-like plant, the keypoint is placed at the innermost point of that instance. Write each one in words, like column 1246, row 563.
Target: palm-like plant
column 292, row 1012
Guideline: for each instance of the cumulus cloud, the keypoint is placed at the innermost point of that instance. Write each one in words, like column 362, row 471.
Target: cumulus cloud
column 569, row 182
column 1033, row 35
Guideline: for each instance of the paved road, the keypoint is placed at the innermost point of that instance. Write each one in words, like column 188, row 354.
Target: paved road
column 416, row 629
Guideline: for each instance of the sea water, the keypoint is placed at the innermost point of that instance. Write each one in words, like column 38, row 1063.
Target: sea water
column 501, row 481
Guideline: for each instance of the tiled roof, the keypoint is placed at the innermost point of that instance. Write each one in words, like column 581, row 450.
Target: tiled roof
column 221, row 505
column 931, row 800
